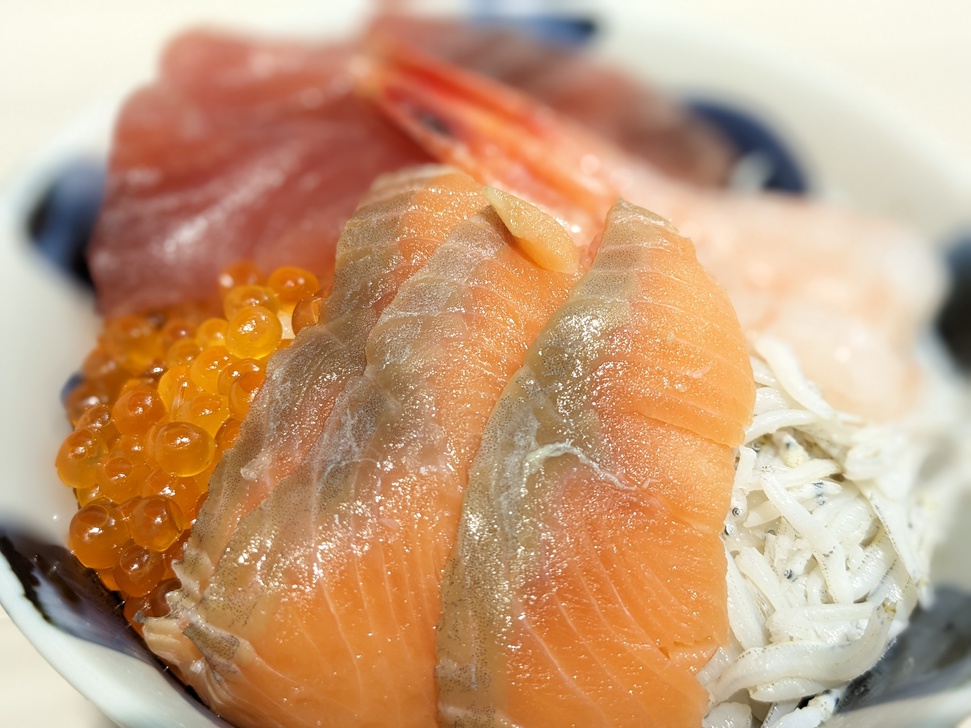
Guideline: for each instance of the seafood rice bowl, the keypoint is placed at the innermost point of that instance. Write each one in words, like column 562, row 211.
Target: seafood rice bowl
column 425, row 390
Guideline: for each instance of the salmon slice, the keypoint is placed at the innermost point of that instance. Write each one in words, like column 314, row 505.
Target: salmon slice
column 850, row 294
column 400, row 223
column 321, row 607
column 242, row 148
column 587, row 584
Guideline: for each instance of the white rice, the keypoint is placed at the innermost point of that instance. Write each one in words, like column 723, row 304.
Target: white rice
column 828, row 542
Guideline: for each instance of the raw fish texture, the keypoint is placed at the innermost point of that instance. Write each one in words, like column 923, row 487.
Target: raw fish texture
column 316, row 603
column 587, row 585
column 240, row 149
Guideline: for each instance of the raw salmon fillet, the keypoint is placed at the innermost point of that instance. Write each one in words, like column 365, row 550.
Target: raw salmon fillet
column 399, row 225
column 241, row 149
column 320, row 602
column 587, row 585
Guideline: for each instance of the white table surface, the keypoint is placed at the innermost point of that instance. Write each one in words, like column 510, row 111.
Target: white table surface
column 60, row 57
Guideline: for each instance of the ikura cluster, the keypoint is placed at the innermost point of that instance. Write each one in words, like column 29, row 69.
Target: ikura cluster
column 160, row 398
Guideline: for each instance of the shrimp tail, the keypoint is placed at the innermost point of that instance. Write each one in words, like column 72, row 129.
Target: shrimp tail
column 495, row 134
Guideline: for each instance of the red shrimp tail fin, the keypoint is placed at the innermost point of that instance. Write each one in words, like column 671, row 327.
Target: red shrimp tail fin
column 492, row 132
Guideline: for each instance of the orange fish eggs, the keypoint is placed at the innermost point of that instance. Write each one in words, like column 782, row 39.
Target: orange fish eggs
column 161, row 397
column 292, row 285
column 186, row 493
column 96, row 534
column 177, row 329
column 181, row 352
column 207, row 410
column 182, row 448
column 156, row 522
column 83, row 397
column 245, row 296
column 206, row 368
column 234, row 371
column 254, row 332
column 228, row 434
column 98, row 419
column 133, row 341
column 211, row 332
column 79, row 457
column 119, row 479
column 176, row 386
column 137, row 570
column 137, row 410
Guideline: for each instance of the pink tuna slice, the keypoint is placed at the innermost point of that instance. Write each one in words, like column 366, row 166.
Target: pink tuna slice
column 242, row 149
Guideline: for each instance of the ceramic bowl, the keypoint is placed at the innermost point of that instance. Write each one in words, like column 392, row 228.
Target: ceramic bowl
column 848, row 147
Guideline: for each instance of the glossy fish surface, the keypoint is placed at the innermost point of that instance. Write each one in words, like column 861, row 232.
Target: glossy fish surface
column 587, row 585
column 318, row 604
column 242, row 148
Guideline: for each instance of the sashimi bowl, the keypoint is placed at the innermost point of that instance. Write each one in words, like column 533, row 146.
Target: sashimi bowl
column 794, row 129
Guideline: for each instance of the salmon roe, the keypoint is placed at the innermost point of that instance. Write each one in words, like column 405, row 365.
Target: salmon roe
column 160, row 399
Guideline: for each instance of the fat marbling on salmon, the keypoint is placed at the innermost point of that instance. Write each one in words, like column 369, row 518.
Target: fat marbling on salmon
column 587, row 584
column 317, row 604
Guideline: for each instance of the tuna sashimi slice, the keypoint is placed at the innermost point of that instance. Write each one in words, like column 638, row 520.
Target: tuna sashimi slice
column 322, row 605
column 587, row 585
column 241, row 149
